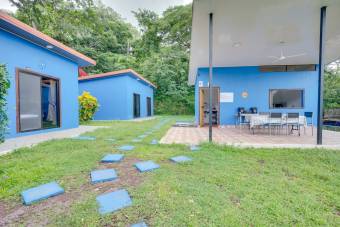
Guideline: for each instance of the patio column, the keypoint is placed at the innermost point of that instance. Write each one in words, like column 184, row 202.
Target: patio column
column 321, row 74
column 210, row 73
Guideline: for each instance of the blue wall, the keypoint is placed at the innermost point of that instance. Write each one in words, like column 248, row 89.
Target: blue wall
column 257, row 84
column 115, row 96
column 18, row 53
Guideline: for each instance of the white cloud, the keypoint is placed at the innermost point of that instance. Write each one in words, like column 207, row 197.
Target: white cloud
column 5, row 4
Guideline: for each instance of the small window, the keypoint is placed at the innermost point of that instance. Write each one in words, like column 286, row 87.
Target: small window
column 286, row 98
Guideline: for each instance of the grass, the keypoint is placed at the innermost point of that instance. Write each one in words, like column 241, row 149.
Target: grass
column 223, row 186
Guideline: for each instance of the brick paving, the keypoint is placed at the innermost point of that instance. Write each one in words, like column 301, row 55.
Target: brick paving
column 244, row 137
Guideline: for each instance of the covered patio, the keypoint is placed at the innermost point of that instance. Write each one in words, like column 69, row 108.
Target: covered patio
column 245, row 138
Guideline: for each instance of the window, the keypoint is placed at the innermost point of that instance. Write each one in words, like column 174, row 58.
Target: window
column 38, row 101
column 148, row 106
column 286, row 98
column 287, row 68
column 136, row 105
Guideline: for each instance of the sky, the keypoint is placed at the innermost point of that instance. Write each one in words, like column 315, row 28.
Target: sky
column 124, row 7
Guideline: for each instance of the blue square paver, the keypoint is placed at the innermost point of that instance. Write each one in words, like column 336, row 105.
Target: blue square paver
column 91, row 138
column 99, row 176
column 41, row 192
column 112, row 158
column 146, row 166
column 140, row 224
column 113, row 201
column 154, row 142
column 195, row 148
column 180, row 159
column 126, row 148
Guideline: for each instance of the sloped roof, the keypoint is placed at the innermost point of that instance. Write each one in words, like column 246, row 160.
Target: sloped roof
column 247, row 32
column 32, row 35
column 116, row 73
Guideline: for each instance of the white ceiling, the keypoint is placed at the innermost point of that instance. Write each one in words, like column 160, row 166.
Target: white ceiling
column 260, row 27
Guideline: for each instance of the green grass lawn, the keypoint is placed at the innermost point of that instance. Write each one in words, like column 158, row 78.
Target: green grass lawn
column 223, row 186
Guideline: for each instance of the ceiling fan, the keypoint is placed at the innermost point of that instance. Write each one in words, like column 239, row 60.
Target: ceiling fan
column 283, row 57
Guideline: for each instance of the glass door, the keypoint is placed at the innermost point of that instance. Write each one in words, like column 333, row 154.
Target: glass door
column 136, row 105
column 38, row 102
column 148, row 106
column 29, row 102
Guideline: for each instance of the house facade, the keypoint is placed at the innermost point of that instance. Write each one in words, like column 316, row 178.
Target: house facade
column 122, row 95
column 44, row 79
column 265, row 56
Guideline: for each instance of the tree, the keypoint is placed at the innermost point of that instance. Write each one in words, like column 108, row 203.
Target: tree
column 332, row 90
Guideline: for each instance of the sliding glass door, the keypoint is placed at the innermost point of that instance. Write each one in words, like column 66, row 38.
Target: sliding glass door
column 38, row 101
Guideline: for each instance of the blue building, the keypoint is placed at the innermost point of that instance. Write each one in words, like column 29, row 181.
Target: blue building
column 264, row 55
column 263, row 88
column 122, row 95
column 44, row 79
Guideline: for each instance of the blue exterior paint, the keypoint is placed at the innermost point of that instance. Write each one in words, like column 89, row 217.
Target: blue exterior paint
column 115, row 95
column 257, row 84
column 19, row 53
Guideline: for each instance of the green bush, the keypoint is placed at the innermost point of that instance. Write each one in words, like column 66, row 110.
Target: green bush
column 88, row 105
column 4, row 85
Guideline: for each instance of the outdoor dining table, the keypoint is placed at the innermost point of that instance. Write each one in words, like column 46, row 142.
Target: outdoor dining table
column 262, row 120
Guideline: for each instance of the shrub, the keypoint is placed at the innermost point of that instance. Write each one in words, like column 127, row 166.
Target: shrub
column 88, row 105
column 4, row 85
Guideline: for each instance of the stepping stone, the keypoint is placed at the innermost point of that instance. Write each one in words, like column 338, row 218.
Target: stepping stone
column 84, row 138
column 137, row 140
column 195, row 148
column 126, row 148
column 180, row 159
column 142, row 136
column 154, row 142
column 113, row 201
column 112, row 158
column 146, row 166
column 41, row 192
column 140, row 224
column 99, row 176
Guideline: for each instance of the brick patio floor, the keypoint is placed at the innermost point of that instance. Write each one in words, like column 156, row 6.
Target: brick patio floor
column 244, row 137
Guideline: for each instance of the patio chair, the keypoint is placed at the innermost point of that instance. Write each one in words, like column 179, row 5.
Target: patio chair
column 309, row 121
column 293, row 121
column 275, row 121
column 241, row 119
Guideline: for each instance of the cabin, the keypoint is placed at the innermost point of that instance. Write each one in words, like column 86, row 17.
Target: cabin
column 44, row 79
column 122, row 95
column 264, row 57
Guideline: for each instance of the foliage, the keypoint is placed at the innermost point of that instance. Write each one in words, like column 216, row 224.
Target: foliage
column 100, row 33
column 93, row 29
column 222, row 186
column 332, row 90
column 88, row 105
column 4, row 85
column 169, row 70
column 163, row 57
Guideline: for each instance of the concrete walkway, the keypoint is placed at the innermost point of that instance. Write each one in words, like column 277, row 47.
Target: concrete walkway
column 28, row 141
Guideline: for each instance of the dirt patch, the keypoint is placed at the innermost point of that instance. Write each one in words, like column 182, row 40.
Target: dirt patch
column 40, row 214
column 261, row 161
column 128, row 176
column 235, row 200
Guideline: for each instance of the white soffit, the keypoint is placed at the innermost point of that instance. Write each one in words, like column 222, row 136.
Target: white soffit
column 246, row 32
